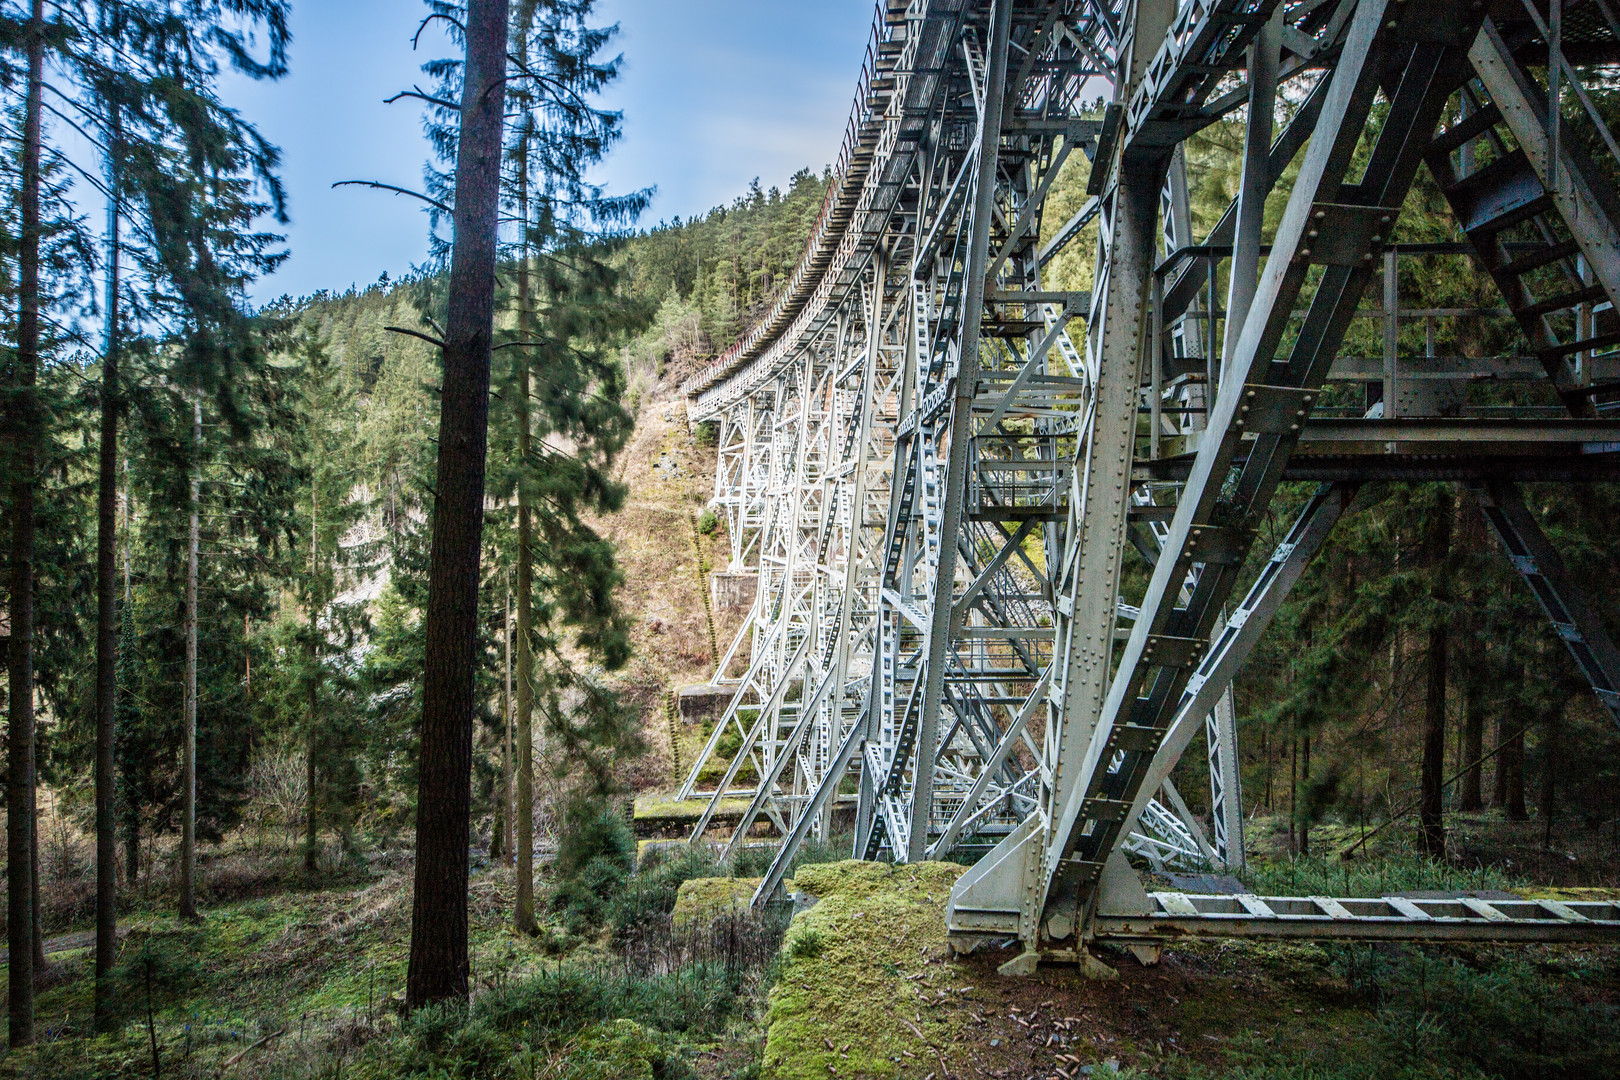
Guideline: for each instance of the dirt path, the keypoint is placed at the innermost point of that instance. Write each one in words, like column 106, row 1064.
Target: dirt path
column 84, row 939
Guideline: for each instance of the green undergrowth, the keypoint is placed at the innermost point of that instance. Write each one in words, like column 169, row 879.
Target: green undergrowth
column 1377, row 875
column 861, row 973
column 1391, row 1012
column 321, row 974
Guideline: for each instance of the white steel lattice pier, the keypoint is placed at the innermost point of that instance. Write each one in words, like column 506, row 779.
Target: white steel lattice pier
column 936, row 465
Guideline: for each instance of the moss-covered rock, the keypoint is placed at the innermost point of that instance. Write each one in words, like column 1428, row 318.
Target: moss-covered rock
column 656, row 810
column 704, row 898
column 861, row 971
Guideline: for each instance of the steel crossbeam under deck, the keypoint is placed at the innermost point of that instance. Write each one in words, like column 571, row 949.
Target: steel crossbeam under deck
column 1385, row 918
column 938, row 463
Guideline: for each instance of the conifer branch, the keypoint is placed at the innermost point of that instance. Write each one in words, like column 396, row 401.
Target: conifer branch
column 452, row 20
column 397, row 191
column 417, row 92
column 415, row 334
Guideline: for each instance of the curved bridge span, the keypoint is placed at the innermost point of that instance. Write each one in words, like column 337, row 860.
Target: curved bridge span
column 1005, row 532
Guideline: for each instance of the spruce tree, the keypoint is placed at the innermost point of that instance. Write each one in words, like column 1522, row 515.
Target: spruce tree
column 318, row 695
column 559, row 377
column 25, row 429
column 438, row 955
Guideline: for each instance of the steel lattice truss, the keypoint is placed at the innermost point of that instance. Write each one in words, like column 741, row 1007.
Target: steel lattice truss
column 938, row 485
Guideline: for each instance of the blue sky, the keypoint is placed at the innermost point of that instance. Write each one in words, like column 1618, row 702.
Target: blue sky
column 714, row 92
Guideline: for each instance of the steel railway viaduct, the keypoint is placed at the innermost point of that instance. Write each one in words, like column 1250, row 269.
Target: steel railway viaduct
column 935, row 463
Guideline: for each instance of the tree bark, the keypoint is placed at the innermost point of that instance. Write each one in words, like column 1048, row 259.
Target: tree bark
column 25, row 425
column 1431, row 806
column 1472, row 799
column 107, row 618
column 188, row 736
column 1431, row 803
column 438, row 961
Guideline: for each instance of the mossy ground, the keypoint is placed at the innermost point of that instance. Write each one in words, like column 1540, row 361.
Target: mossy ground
column 864, row 988
column 324, row 964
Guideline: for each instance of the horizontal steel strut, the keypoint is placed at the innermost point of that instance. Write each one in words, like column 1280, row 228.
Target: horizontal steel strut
column 937, row 481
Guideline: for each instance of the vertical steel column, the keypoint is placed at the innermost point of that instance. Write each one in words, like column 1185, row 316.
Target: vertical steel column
column 961, row 428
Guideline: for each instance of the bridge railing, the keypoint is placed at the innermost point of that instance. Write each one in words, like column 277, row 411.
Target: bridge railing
column 801, row 283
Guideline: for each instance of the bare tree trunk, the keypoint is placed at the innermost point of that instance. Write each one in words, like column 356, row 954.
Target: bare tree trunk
column 311, row 777
column 1512, row 800
column 1548, row 803
column 107, row 619
column 1305, row 781
column 1431, row 803
column 132, row 848
column 501, row 839
column 25, row 430
column 1472, row 797
column 438, row 962
column 188, row 738
column 1293, row 796
column 523, row 913
column 311, row 784
column 42, row 967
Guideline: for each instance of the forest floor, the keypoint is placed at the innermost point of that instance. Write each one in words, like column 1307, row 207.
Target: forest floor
column 302, row 976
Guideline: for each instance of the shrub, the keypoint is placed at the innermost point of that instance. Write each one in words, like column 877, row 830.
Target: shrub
column 805, row 945
column 594, row 832
column 699, row 999
column 593, row 863
column 442, row 1040
column 651, row 893
column 707, row 522
column 585, row 898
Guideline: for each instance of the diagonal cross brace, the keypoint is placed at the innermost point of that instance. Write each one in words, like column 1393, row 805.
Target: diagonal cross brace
column 1534, row 557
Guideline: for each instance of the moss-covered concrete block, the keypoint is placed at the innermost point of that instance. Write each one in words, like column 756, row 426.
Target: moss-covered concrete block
column 704, row 898
column 862, row 971
column 657, row 810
